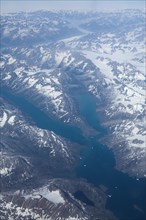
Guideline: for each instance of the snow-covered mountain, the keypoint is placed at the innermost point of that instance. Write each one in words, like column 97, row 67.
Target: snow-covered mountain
column 28, row 151
column 45, row 57
column 31, row 158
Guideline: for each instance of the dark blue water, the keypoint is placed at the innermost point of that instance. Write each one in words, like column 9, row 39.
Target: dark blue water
column 128, row 196
column 82, row 197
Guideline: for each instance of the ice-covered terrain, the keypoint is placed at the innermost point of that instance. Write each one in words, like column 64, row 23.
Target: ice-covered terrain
column 46, row 57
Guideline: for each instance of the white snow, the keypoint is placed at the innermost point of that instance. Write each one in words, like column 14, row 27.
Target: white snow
column 11, row 120
column 59, row 57
column 7, row 77
column 42, row 50
column 2, row 63
column 19, row 70
column 53, row 196
column 55, row 94
column 130, row 92
column 41, row 133
column 69, row 39
column 85, row 64
column 45, row 57
column 3, row 120
column 56, row 80
column 11, row 60
column 5, row 171
column 31, row 82
column 68, row 60
column 101, row 63
column 48, row 90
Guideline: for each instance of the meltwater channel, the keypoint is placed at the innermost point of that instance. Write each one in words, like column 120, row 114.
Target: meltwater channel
column 97, row 164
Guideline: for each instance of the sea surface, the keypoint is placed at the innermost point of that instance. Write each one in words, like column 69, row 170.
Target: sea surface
column 126, row 195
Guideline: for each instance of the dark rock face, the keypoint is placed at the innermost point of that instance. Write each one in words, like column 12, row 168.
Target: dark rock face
column 56, row 200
